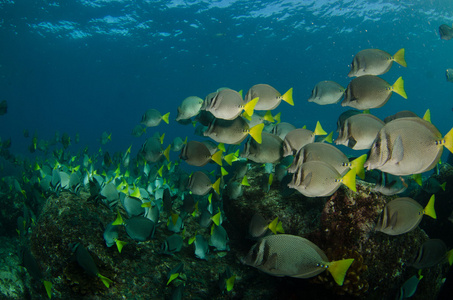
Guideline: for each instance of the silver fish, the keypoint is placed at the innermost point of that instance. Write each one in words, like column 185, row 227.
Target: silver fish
column 326, row 92
column 375, row 62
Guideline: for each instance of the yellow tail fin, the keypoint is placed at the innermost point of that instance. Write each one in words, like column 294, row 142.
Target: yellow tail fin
column 399, row 57
column 223, row 171
column 120, row 245
column 249, row 107
column 429, row 209
column 349, row 180
column 339, row 268
column 48, row 287
column 278, row 117
column 398, row 87
column 167, row 153
column 216, row 186
column 119, row 220
column 230, row 283
column 268, row 117
column 329, row 138
column 217, row 157
column 245, row 181
column 216, row 218
column 288, row 97
column 246, row 116
column 165, row 117
column 448, row 138
column 256, row 131
column 276, row 226
column 161, row 138
column 450, row 257
column 230, row 158
column 160, row 170
column 105, row 280
column 319, row 130
column 357, row 164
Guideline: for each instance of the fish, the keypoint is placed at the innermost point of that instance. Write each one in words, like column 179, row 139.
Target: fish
column 432, row 185
column 449, row 75
column 132, row 206
column 219, row 238
column 431, row 253
column 197, row 154
column 401, row 114
column 320, row 179
column 3, row 107
column 105, row 138
column 138, row 130
column 408, row 146
column 269, row 97
column 282, row 129
column 201, row 247
column 140, row 228
column 111, row 237
column 85, row 260
column 152, row 151
column 226, row 280
column 375, row 62
column 234, row 190
column 359, row 131
column 344, row 116
column 403, row 215
column 200, row 184
column 270, row 150
column 445, row 32
column 228, row 105
column 259, row 227
column 326, row 92
column 152, row 118
column 289, row 255
column 370, row 91
column 178, row 143
column 65, row 140
column 298, row 138
column 31, row 264
column 175, row 223
column 190, row 107
column 409, row 287
column 232, row 131
column 385, row 183
column 329, row 154
column 172, row 244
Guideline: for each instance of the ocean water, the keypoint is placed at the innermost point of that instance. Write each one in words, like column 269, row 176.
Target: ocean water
column 88, row 67
column 92, row 66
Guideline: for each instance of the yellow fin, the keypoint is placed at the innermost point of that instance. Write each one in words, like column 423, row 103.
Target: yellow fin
column 329, row 138
column 288, row 97
column 48, row 287
column 271, row 178
column 120, row 245
column 216, row 218
column 366, row 111
column 429, row 208
column 427, row 116
column 245, row 181
column 256, row 131
column 217, row 157
column 223, row 171
column 450, row 257
column 319, row 130
column 210, row 198
column 167, row 152
column 349, row 180
column 174, row 218
column 268, row 117
column 398, row 87
column 278, row 117
column 105, row 280
column 240, row 93
column 191, row 240
column 418, row 179
column 229, row 158
column 172, row 277
column 357, row 164
column 443, row 185
column 399, row 57
column 165, row 117
column 339, row 268
column 216, row 186
column 448, row 140
column 160, row 170
column 221, row 146
column 276, row 226
column 161, row 139
column 246, row 116
column 136, row 193
column 250, row 106
column 119, row 220
column 230, row 283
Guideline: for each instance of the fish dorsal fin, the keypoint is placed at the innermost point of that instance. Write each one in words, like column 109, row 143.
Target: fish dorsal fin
column 427, row 116
column 319, row 130
column 393, row 220
column 397, row 150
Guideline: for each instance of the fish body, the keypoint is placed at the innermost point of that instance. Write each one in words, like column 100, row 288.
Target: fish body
column 228, row 105
column 326, row 92
column 232, row 131
column 449, row 75
column 190, row 107
column 269, row 151
column 197, row 154
column 407, row 146
column 359, row 131
column 375, row 62
column 445, row 32
column 269, row 97
column 153, row 118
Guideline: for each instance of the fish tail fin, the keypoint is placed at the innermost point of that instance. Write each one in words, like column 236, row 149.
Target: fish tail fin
column 246, row 116
column 398, row 87
column 268, row 117
column 429, row 209
column 418, row 179
column 357, row 164
column 109, row 137
column 329, row 138
column 230, row 158
column 443, row 185
column 48, row 287
column 256, row 131
column 105, row 280
column 427, row 116
column 245, row 181
column 288, row 97
column 278, row 117
column 216, row 186
column 349, row 180
column 160, row 170
column 250, row 106
column 120, row 244
column 161, row 138
column 339, row 268
column 166, row 117
column 450, row 257
column 449, row 140
column 319, row 130
column 216, row 219
column 167, row 153
column 221, row 146
column 217, row 157
column 223, row 171
column 399, row 57
column 119, row 220
column 276, row 226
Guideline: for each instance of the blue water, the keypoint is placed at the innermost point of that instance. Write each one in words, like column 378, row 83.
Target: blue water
column 92, row 66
